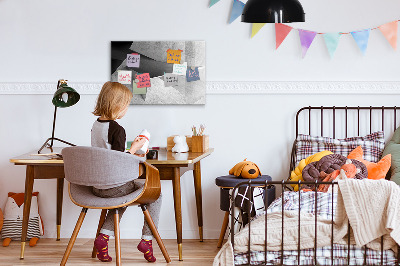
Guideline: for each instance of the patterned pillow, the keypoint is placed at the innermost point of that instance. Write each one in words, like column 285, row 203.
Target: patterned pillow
column 372, row 144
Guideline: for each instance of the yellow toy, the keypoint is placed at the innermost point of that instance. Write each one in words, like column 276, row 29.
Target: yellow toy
column 296, row 174
column 245, row 169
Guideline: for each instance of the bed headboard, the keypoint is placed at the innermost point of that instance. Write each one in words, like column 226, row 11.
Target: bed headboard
column 344, row 121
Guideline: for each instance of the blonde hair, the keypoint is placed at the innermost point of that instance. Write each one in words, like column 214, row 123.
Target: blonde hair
column 112, row 99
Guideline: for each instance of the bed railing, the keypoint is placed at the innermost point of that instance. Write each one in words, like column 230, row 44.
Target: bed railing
column 345, row 118
column 265, row 185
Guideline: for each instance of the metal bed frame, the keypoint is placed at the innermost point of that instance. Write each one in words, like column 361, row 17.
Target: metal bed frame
column 283, row 184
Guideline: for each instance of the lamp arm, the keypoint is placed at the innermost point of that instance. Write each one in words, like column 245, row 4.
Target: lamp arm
column 54, row 126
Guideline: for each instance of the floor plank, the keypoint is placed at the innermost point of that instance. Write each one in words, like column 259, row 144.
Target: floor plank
column 49, row 252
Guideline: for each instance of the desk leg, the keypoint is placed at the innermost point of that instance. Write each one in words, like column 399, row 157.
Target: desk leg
column 60, row 190
column 176, row 182
column 27, row 206
column 199, row 204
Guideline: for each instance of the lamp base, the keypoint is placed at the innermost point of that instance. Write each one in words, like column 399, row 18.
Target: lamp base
column 50, row 146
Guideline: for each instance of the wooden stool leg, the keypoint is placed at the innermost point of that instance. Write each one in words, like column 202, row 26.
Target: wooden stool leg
column 154, row 230
column 101, row 222
column 73, row 237
column 117, row 239
column 223, row 229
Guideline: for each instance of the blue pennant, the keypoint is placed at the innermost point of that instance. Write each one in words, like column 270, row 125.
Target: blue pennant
column 237, row 9
column 361, row 38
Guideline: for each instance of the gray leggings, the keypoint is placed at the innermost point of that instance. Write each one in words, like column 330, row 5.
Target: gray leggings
column 154, row 208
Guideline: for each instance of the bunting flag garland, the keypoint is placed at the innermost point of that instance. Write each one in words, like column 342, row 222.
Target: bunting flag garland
column 213, row 2
column 361, row 37
column 256, row 27
column 306, row 39
column 389, row 30
column 237, row 9
column 332, row 41
column 281, row 31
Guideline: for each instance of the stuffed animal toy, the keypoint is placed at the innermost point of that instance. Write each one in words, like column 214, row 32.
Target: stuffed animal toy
column 13, row 215
column 245, row 169
column 180, row 144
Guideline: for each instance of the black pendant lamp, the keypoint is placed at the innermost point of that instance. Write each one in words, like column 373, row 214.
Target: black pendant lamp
column 273, row 11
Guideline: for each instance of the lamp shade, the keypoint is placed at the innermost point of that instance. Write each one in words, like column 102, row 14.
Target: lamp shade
column 65, row 96
column 273, row 11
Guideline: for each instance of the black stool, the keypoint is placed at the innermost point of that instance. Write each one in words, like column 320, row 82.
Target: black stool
column 226, row 183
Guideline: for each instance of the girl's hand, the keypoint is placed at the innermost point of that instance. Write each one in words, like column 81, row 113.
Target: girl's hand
column 143, row 155
column 137, row 144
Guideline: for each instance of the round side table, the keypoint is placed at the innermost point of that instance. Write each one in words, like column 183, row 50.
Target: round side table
column 228, row 182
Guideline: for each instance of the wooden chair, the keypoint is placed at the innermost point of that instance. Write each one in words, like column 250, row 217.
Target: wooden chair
column 85, row 167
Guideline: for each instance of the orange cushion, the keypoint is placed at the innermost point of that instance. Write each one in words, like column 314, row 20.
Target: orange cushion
column 375, row 170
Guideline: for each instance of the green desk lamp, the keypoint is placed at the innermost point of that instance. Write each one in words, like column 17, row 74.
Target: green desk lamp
column 65, row 96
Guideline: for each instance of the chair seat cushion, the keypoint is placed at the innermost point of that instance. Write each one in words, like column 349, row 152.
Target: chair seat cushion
column 83, row 195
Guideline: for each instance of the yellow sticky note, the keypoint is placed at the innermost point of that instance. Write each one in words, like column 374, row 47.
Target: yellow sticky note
column 174, row 56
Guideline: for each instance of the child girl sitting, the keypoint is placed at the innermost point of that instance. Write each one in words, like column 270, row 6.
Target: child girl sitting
column 112, row 103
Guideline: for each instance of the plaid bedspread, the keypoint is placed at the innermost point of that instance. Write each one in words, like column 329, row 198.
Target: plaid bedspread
column 324, row 257
column 307, row 202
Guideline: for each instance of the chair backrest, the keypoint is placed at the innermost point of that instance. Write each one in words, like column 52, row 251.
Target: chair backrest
column 91, row 166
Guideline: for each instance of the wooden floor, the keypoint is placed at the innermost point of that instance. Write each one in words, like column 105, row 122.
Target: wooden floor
column 50, row 252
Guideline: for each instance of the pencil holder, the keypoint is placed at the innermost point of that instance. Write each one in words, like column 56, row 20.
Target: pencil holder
column 200, row 143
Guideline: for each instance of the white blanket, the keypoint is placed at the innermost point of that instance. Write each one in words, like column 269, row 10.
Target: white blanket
column 373, row 209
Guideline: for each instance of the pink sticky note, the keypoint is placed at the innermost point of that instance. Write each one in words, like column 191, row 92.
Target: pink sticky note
column 144, row 80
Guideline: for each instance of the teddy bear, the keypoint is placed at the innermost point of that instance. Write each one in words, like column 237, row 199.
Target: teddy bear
column 13, row 215
column 180, row 144
column 245, row 169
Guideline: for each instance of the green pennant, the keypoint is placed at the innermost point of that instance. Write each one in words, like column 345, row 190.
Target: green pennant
column 213, row 2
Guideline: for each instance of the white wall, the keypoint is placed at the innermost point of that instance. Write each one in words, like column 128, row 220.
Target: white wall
column 42, row 41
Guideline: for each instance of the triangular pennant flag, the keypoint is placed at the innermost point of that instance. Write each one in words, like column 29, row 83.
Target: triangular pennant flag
column 281, row 31
column 361, row 37
column 213, row 2
column 237, row 9
column 256, row 27
column 390, row 32
column 306, row 39
column 332, row 41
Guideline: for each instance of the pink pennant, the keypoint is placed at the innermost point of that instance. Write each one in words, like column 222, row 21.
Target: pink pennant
column 281, row 31
column 389, row 30
column 306, row 39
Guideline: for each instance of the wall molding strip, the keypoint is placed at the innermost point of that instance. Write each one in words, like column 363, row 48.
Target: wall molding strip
column 233, row 87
